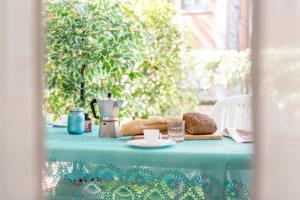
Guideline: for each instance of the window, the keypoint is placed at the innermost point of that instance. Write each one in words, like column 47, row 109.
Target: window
column 192, row 5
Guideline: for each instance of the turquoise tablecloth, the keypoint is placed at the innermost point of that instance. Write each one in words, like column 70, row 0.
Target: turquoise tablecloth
column 107, row 168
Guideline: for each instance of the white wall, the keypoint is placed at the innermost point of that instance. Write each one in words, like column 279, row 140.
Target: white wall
column 276, row 78
column 20, row 100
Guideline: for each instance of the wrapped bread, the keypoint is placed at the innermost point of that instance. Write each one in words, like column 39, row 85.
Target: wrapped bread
column 197, row 123
column 136, row 127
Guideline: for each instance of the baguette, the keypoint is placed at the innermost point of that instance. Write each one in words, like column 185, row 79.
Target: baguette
column 136, row 127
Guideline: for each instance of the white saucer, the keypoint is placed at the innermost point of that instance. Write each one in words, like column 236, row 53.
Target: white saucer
column 143, row 144
column 60, row 124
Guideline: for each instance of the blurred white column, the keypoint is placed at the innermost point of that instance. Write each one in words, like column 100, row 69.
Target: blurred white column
column 221, row 24
column 276, row 79
column 20, row 100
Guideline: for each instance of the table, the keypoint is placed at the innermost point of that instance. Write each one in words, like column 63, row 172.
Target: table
column 88, row 167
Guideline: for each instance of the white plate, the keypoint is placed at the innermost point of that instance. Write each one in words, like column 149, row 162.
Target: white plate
column 142, row 143
column 60, row 124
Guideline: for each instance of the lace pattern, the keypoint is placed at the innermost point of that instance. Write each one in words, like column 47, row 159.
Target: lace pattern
column 75, row 180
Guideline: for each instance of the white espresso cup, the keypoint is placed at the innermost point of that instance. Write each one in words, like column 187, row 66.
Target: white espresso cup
column 152, row 135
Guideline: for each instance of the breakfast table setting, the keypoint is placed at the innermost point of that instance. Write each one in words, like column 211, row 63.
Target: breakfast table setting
column 177, row 157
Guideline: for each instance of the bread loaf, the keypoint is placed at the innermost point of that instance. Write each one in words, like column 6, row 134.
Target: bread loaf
column 197, row 123
column 136, row 127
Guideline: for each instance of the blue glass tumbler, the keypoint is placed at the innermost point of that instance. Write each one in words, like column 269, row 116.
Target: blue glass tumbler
column 76, row 121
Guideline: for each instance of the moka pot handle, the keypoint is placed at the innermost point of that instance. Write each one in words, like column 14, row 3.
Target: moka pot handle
column 92, row 104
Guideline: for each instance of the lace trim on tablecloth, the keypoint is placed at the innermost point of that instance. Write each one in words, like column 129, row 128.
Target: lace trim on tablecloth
column 67, row 180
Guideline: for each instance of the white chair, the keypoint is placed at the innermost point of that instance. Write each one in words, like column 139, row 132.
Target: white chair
column 233, row 112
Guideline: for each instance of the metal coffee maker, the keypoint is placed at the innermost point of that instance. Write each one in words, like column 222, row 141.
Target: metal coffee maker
column 109, row 110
